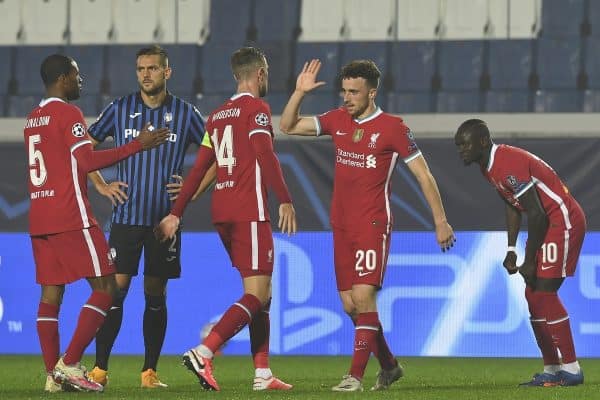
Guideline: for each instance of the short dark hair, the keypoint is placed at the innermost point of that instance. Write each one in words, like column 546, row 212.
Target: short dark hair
column 154, row 50
column 362, row 69
column 246, row 60
column 54, row 66
column 475, row 126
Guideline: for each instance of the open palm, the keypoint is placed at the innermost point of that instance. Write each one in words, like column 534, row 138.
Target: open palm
column 307, row 79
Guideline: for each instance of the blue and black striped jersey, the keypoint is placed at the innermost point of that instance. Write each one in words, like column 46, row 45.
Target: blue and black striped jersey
column 149, row 171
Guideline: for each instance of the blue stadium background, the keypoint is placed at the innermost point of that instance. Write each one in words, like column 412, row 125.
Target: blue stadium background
column 457, row 58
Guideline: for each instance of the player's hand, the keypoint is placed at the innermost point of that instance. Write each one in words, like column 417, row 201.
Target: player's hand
column 528, row 272
column 510, row 262
column 307, row 79
column 113, row 191
column 174, row 188
column 287, row 218
column 150, row 137
column 444, row 235
column 167, row 228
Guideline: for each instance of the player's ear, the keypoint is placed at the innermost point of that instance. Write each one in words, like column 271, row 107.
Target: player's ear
column 168, row 72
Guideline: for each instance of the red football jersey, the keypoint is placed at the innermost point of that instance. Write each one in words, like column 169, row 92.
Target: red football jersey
column 366, row 152
column 240, row 192
column 57, row 187
column 513, row 171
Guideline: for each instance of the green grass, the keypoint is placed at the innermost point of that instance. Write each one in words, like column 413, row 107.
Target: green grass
column 312, row 377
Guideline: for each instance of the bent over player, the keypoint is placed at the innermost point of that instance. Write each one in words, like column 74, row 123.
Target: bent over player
column 555, row 230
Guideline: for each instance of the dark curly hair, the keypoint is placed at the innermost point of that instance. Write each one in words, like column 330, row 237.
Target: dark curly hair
column 362, row 69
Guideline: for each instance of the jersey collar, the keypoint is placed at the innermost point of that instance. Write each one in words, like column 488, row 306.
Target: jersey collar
column 238, row 95
column 492, row 157
column 371, row 117
column 50, row 100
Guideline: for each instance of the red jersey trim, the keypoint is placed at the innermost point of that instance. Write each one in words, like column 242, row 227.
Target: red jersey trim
column 388, row 210
column 79, row 144
column 492, row 157
column 78, row 196
column 526, row 188
column 412, row 157
column 317, row 125
column 252, row 132
column 259, row 196
column 557, row 200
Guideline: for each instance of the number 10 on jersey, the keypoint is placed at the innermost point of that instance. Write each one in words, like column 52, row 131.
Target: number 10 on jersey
column 224, row 148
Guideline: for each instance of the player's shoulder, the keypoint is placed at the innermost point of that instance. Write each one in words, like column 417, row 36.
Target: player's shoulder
column 392, row 125
column 335, row 113
column 252, row 104
column 508, row 152
column 63, row 109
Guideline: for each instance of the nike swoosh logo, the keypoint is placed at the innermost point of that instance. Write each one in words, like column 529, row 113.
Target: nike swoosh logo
column 339, row 133
column 545, row 268
column 135, row 115
column 361, row 274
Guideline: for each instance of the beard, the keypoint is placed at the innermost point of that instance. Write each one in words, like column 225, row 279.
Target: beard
column 153, row 91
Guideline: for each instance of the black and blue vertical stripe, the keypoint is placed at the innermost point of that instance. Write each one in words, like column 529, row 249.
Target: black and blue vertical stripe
column 149, row 171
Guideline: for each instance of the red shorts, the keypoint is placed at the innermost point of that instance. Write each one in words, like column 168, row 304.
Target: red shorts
column 360, row 257
column 558, row 255
column 249, row 245
column 66, row 257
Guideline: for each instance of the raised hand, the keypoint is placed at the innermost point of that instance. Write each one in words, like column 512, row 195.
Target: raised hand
column 151, row 137
column 307, row 79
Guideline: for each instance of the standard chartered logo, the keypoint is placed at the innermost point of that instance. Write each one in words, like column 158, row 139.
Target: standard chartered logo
column 371, row 161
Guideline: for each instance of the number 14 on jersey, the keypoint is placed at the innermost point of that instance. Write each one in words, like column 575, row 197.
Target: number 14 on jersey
column 224, row 148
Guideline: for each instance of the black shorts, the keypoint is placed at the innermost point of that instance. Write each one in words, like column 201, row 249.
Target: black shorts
column 160, row 259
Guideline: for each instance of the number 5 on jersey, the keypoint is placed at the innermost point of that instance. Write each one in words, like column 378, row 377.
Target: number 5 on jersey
column 224, row 148
column 37, row 175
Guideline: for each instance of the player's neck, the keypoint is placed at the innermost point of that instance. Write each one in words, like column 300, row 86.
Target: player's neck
column 368, row 111
column 154, row 101
column 55, row 93
column 485, row 158
column 248, row 87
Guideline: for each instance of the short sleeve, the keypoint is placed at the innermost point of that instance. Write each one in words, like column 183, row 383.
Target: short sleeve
column 104, row 125
column 517, row 174
column 197, row 127
column 259, row 119
column 403, row 142
column 74, row 128
column 325, row 122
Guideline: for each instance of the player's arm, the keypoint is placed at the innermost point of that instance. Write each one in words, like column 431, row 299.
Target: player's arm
column 174, row 188
column 90, row 160
column 537, row 226
column 513, row 226
column 444, row 233
column 209, row 179
column 271, row 170
column 169, row 224
column 112, row 190
column 291, row 123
